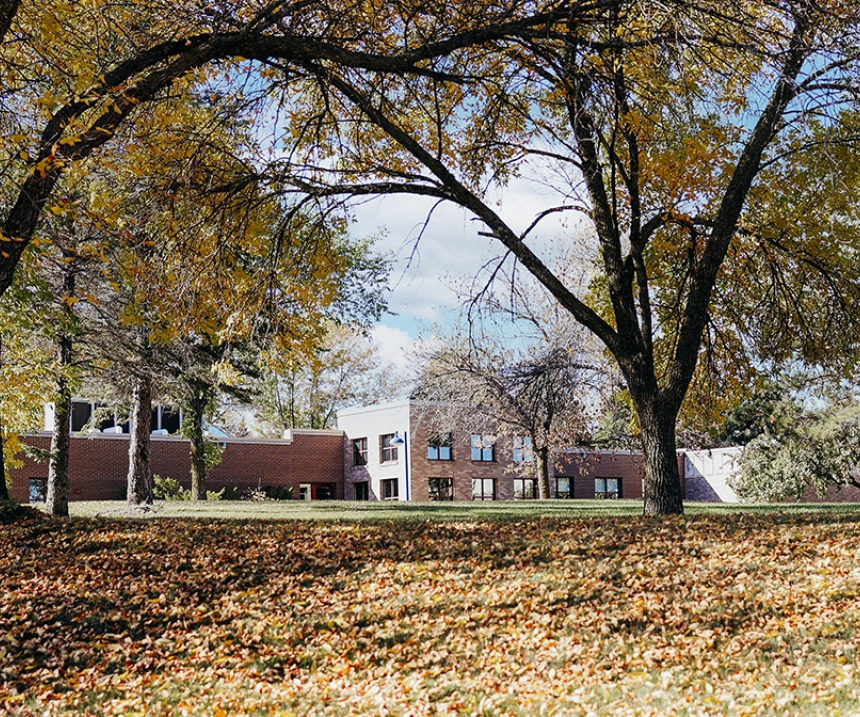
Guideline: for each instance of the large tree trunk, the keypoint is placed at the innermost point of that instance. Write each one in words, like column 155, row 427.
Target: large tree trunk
column 57, row 499
column 543, row 472
column 4, row 491
column 198, row 449
column 140, row 486
column 663, row 491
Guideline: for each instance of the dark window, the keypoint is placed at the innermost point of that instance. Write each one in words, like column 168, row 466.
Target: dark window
column 361, row 490
column 562, row 488
column 387, row 452
column 440, row 489
column 359, row 452
column 525, row 488
column 105, row 422
column 81, row 412
column 483, row 489
column 607, row 488
column 439, row 447
column 522, row 449
column 483, row 448
column 37, row 490
column 389, row 488
column 170, row 419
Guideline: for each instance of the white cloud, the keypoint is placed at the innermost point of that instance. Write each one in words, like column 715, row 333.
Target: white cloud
column 432, row 243
column 393, row 345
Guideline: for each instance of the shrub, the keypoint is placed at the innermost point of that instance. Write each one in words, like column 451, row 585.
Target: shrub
column 169, row 489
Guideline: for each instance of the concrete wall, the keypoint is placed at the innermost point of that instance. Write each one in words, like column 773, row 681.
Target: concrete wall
column 371, row 423
column 98, row 464
column 708, row 472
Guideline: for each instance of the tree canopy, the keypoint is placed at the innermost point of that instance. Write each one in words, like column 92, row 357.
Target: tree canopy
column 711, row 147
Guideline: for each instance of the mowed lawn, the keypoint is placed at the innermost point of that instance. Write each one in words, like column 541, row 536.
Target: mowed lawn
column 735, row 613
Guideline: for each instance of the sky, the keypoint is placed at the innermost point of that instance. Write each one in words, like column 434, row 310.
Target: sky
column 428, row 261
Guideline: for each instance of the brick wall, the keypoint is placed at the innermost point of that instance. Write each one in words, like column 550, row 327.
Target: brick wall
column 98, row 465
column 461, row 469
column 846, row 494
column 627, row 466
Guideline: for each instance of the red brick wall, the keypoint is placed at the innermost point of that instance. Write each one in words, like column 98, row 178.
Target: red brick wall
column 98, row 465
column 626, row 465
column 846, row 494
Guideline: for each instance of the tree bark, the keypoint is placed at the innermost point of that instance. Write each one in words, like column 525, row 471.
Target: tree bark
column 198, row 449
column 140, row 485
column 543, row 472
column 57, row 499
column 663, row 491
column 4, row 491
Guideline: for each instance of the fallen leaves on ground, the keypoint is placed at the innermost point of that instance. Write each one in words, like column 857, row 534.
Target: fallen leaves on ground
column 739, row 615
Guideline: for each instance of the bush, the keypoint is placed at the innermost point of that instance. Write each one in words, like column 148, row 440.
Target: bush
column 279, row 492
column 169, row 489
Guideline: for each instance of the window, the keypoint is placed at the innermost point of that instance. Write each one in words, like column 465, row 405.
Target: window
column 483, row 448
column 522, row 452
column 359, row 452
column 304, row 491
column 439, row 447
column 361, row 490
column 525, row 488
column 607, row 488
column 165, row 419
column 483, row 488
column 81, row 412
column 387, row 452
column 37, row 490
column 389, row 488
column 562, row 488
column 441, row 489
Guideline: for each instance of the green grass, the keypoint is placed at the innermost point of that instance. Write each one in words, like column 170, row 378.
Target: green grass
column 392, row 510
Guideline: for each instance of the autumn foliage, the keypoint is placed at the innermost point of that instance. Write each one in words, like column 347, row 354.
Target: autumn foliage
column 743, row 615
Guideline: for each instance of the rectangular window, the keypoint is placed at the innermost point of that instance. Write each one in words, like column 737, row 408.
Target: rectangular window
column 522, row 452
column 607, row 488
column 389, row 488
column 562, row 488
column 361, row 490
column 525, row 488
column 440, row 489
column 387, row 452
column 483, row 488
column 483, row 448
column 81, row 412
column 304, row 491
column 359, row 452
column 439, row 447
column 37, row 490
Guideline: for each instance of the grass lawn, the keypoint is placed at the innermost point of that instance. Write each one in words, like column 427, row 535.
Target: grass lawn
column 492, row 610
column 393, row 510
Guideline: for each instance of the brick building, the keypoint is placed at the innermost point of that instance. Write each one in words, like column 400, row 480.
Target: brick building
column 398, row 451
column 308, row 462
column 395, row 451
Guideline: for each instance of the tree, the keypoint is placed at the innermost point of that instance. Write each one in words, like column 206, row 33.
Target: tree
column 307, row 392
column 520, row 365
column 816, row 449
column 682, row 129
column 675, row 127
